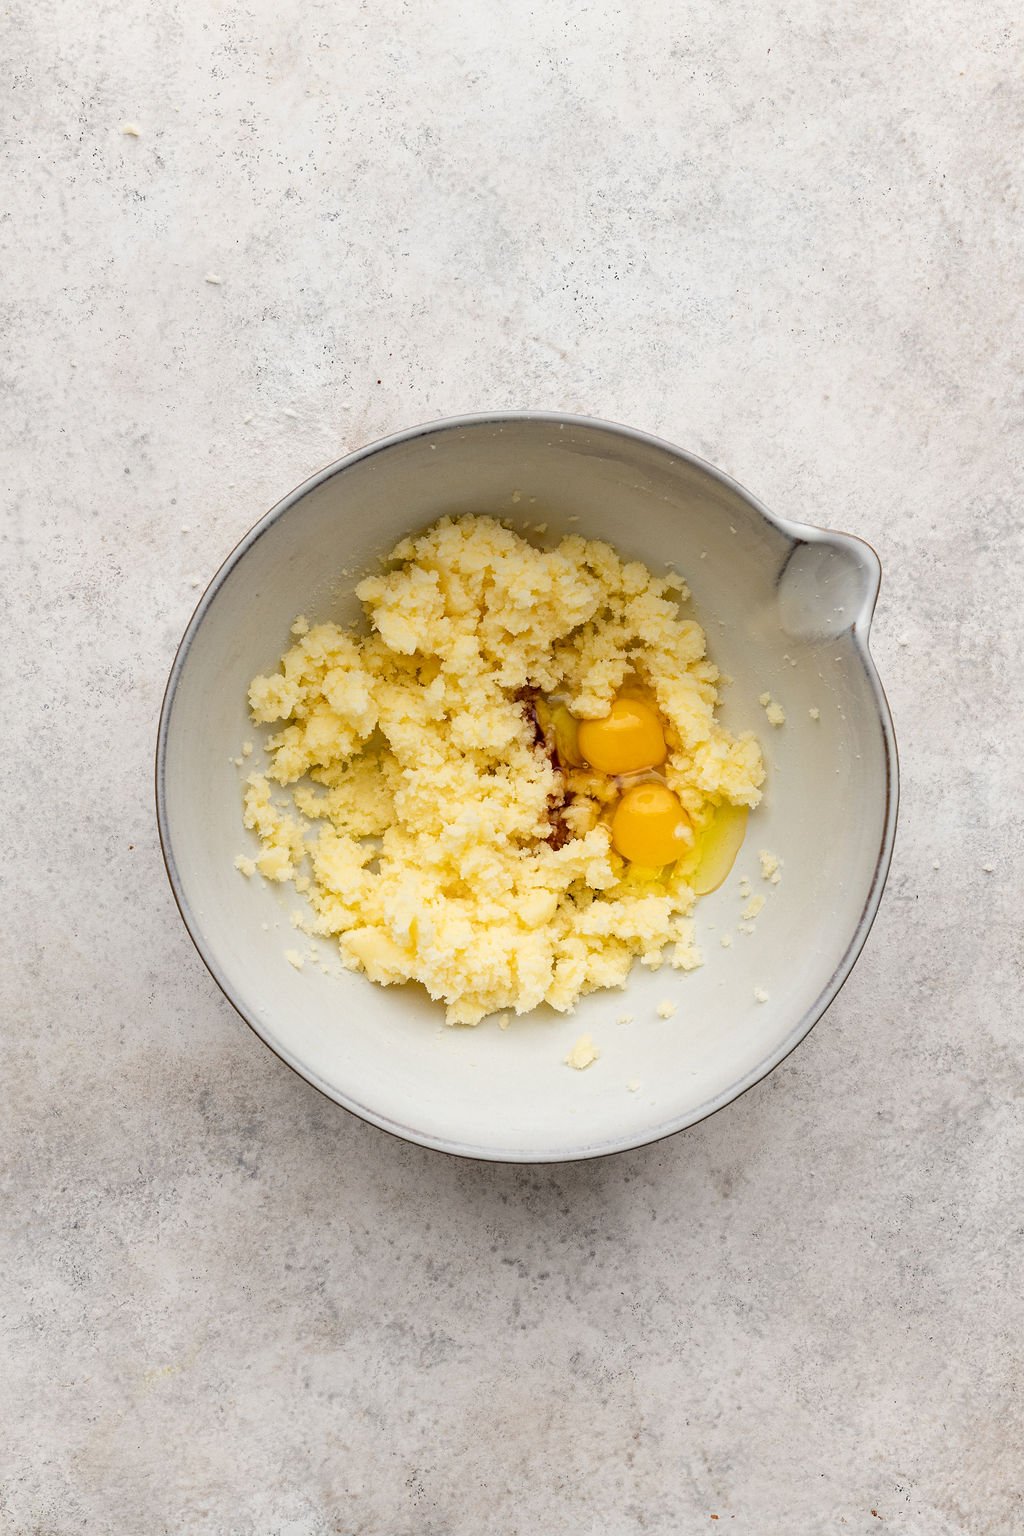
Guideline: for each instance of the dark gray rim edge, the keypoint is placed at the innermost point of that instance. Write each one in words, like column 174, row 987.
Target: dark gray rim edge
column 860, row 631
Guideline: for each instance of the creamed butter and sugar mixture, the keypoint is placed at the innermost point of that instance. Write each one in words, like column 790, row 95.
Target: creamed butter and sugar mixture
column 418, row 797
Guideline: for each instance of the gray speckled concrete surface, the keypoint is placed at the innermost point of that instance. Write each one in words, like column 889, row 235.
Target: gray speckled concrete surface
column 790, row 241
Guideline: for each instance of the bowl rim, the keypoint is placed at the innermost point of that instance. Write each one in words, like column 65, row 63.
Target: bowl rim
column 798, row 533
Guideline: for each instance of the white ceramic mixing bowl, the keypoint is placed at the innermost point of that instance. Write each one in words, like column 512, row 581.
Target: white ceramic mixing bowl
column 787, row 610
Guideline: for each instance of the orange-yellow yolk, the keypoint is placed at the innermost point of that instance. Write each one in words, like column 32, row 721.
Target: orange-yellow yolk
column 650, row 826
column 628, row 739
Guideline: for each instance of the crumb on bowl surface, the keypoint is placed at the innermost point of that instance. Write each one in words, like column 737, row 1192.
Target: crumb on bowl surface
column 583, row 1054
column 773, row 709
column 437, row 835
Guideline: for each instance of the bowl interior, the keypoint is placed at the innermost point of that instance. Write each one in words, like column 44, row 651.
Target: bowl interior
column 766, row 596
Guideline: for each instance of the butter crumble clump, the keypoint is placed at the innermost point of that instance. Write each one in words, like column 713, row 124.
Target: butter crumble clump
column 770, row 865
column 773, row 709
column 406, row 794
column 583, row 1054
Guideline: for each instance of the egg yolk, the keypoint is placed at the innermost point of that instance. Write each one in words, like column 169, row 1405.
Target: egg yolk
column 650, row 826
column 628, row 739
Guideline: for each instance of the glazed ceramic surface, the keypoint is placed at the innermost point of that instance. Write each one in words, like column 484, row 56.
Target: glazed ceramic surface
column 787, row 610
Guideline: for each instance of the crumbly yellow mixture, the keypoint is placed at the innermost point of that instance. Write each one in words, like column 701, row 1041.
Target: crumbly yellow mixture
column 420, row 815
column 771, row 866
column 773, row 709
column 583, row 1054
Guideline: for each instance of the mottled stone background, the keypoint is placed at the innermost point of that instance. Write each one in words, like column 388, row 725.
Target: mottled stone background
column 789, row 239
